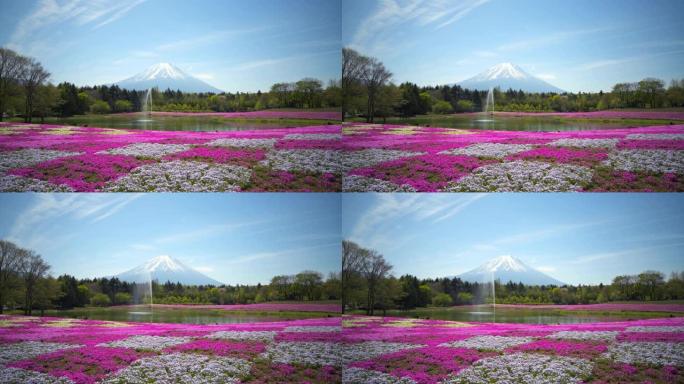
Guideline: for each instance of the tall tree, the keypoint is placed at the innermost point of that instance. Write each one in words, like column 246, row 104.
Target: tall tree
column 33, row 268
column 374, row 77
column 353, row 67
column 11, row 66
column 32, row 77
column 353, row 258
column 375, row 270
column 10, row 262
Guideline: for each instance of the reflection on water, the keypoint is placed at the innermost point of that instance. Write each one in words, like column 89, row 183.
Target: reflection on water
column 508, row 315
column 170, row 123
column 536, row 124
column 186, row 316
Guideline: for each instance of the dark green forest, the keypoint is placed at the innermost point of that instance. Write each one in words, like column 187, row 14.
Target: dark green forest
column 368, row 92
column 368, row 284
column 26, row 284
column 25, row 92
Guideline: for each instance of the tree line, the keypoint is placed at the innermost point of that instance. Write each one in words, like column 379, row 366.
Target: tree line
column 367, row 91
column 368, row 284
column 26, row 92
column 26, row 284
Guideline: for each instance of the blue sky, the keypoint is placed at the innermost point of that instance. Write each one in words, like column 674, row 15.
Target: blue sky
column 579, row 45
column 576, row 238
column 233, row 45
column 234, row 238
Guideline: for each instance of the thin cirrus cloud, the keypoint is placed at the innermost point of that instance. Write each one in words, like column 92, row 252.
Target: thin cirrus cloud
column 28, row 228
column 376, row 33
column 48, row 13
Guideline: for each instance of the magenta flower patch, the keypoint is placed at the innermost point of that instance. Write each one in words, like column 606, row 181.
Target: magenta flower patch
column 244, row 157
column 84, row 173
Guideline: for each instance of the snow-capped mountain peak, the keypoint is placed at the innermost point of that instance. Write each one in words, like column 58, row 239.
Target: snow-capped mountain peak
column 160, row 71
column 508, row 76
column 164, row 263
column 166, row 76
column 503, row 71
column 508, row 268
column 505, row 263
column 165, row 268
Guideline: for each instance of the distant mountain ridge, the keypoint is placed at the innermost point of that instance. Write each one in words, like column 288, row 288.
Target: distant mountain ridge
column 166, row 76
column 508, row 268
column 508, row 76
column 165, row 268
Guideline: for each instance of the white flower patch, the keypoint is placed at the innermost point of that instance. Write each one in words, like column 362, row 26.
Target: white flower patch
column 489, row 150
column 29, row 349
column 653, row 160
column 313, row 353
column 372, row 156
column 14, row 183
column 360, row 375
column 313, row 328
column 656, row 136
column 243, row 143
column 155, row 343
column 656, row 328
column 182, row 176
column 498, row 343
column 152, row 150
column 524, row 368
column 655, row 353
column 28, row 157
column 243, row 335
column 356, row 183
column 584, row 335
column 182, row 368
column 326, row 353
column 313, row 136
column 523, row 176
column 27, row 376
column 314, row 160
column 586, row 143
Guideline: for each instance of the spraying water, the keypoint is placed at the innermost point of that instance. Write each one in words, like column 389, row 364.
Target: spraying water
column 146, row 108
column 489, row 103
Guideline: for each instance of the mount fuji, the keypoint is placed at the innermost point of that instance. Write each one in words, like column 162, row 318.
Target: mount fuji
column 165, row 268
column 166, row 76
column 508, row 76
column 505, row 269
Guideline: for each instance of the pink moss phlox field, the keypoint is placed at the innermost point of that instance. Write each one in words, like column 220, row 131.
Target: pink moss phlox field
column 244, row 350
column 243, row 157
column 274, row 159
column 616, row 114
column 267, row 307
column 645, row 307
column 84, row 173
column 83, row 365
column 652, row 158
column 562, row 155
column 433, row 351
column 87, row 351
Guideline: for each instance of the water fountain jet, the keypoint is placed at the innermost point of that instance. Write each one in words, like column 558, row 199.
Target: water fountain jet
column 488, row 109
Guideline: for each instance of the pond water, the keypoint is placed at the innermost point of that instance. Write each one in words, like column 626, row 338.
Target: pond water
column 532, row 124
column 527, row 316
column 184, row 123
column 186, row 316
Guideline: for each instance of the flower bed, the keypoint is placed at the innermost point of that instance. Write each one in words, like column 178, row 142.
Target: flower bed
column 53, row 158
column 513, row 353
column 52, row 350
column 389, row 158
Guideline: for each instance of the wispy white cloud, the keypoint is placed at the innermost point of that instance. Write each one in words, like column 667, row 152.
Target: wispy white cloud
column 376, row 226
column 34, row 226
column 37, row 28
column 376, row 33
column 618, row 61
column 248, row 258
